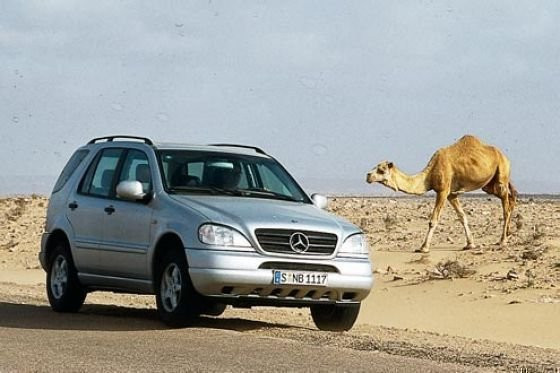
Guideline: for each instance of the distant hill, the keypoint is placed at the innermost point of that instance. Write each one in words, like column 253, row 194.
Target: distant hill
column 26, row 184
column 42, row 184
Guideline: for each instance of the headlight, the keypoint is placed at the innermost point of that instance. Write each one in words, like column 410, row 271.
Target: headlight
column 218, row 235
column 355, row 245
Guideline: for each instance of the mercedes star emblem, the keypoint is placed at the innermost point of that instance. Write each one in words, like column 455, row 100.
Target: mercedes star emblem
column 299, row 242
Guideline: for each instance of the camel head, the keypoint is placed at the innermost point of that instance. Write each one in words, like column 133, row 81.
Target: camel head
column 383, row 174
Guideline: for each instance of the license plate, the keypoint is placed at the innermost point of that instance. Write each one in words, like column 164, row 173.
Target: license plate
column 300, row 278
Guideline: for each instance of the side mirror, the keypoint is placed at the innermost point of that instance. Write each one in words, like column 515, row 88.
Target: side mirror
column 319, row 200
column 130, row 190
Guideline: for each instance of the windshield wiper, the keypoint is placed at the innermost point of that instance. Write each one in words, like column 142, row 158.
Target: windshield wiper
column 267, row 194
column 233, row 192
column 204, row 189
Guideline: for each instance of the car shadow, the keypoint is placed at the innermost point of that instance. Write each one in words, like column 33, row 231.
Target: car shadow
column 94, row 317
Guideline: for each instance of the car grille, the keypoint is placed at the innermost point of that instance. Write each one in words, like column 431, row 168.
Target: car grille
column 278, row 241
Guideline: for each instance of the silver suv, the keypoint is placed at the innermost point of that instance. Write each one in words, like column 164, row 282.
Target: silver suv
column 200, row 227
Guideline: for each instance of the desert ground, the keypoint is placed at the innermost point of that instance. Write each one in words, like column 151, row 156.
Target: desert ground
column 490, row 308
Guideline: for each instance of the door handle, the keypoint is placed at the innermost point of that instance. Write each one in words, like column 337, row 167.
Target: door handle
column 73, row 205
column 109, row 210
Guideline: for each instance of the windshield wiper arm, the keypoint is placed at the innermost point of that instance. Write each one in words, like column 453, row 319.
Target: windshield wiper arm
column 269, row 194
column 204, row 189
column 233, row 192
column 184, row 188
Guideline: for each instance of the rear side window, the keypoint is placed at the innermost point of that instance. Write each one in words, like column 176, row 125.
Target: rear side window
column 69, row 169
column 98, row 181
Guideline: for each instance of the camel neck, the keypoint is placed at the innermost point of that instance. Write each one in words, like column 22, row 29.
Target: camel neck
column 411, row 184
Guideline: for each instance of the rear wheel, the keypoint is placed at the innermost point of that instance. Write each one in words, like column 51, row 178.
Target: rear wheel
column 63, row 287
column 335, row 318
column 178, row 303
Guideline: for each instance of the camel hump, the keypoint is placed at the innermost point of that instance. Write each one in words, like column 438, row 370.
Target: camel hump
column 469, row 140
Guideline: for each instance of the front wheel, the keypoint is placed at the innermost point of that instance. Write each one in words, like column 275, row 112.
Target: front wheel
column 63, row 287
column 335, row 318
column 178, row 303
column 212, row 308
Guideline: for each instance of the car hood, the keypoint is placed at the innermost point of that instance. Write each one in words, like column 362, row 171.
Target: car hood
column 248, row 214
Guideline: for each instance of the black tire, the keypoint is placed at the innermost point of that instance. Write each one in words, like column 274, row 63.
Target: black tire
column 335, row 318
column 212, row 308
column 177, row 305
column 64, row 290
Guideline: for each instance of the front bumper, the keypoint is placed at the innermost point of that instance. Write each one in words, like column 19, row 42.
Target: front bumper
column 240, row 276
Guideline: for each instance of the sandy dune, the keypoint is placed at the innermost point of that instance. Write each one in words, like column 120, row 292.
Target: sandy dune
column 510, row 295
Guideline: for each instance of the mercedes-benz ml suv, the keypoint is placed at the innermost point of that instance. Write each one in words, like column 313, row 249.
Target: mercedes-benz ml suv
column 201, row 227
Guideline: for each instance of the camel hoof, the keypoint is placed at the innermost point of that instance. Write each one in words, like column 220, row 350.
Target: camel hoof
column 470, row 246
column 422, row 250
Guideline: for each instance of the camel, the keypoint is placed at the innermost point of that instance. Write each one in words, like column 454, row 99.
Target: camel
column 465, row 166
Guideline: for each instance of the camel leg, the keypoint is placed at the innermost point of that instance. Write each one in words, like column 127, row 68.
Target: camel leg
column 454, row 201
column 434, row 220
column 512, row 199
column 501, row 191
column 507, row 215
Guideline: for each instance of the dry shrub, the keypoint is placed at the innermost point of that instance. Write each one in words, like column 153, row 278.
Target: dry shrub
column 531, row 254
column 390, row 222
column 451, row 269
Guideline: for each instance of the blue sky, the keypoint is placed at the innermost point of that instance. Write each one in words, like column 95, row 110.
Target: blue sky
column 330, row 88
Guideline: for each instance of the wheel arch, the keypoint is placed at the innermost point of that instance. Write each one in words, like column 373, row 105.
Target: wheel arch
column 167, row 240
column 58, row 235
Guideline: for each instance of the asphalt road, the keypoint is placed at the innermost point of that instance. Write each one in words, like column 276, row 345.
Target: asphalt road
column 110, row 338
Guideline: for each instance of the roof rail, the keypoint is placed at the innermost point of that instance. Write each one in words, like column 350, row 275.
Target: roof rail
column 111, row 138
column 258, row 150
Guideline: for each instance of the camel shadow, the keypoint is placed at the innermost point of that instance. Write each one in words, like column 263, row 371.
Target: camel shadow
column 94, row 317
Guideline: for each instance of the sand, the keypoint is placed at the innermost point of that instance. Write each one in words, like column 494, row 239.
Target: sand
column 505, row 297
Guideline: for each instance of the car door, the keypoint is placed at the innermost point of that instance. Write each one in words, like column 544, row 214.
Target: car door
column 86, row 209
column 127, row 224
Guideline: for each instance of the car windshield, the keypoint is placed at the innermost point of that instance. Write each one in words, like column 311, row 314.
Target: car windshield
column 191, row 171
